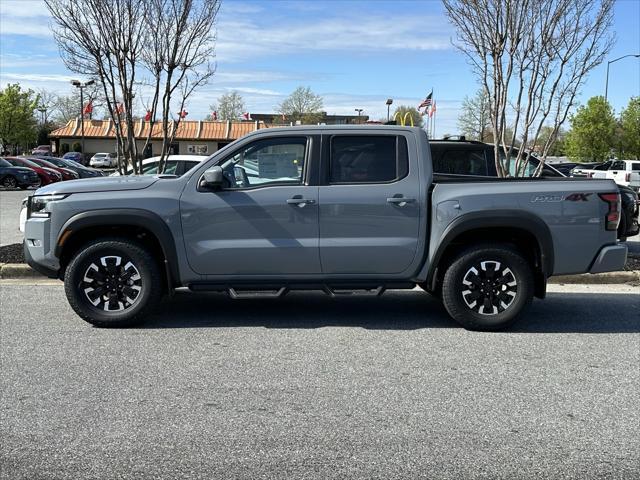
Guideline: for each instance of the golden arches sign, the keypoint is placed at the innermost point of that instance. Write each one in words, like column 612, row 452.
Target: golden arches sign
column 403, row 120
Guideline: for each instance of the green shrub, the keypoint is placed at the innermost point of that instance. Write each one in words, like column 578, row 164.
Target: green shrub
column 77, row 147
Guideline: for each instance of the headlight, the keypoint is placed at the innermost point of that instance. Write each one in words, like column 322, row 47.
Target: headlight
column 38, row 205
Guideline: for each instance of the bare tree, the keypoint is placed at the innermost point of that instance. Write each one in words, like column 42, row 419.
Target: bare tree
column 531, row 58
column 181, row 45
column 229, row 107
column 302, row 105
column 474, row 121
column 67, row 107
column 103, row 39
column 47, row 102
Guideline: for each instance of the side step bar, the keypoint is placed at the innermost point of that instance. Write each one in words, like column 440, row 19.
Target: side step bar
column 236, row 295
column 340, row 289
column 335, row 292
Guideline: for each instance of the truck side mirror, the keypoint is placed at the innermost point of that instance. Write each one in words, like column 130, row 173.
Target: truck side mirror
column 213, row 178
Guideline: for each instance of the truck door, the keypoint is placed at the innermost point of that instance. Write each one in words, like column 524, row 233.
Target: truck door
column 369, row 205
column 265, row 221
column 617, row 171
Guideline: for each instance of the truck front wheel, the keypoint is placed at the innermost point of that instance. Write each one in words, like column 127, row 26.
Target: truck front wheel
column 113, row 283
column 487, row 288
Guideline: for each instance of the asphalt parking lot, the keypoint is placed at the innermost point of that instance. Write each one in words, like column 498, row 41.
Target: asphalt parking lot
column 310, row 387
column 10, row 203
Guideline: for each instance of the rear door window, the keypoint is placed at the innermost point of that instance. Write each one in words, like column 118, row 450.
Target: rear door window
column 368, row 159
column 619, row 165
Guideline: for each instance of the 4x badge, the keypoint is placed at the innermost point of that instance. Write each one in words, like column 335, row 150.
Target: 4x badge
column 574, row 197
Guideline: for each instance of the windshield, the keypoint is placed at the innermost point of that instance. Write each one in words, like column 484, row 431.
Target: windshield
column 4, row 163
column 58, row 162
column 43, row 163
column 26, row 162
column 73, row 163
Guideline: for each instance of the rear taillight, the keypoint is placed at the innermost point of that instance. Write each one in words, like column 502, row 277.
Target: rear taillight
column 627, row 177
column 613, row 215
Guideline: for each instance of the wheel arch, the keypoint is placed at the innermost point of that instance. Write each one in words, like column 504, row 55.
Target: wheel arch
column 145, row 227
column 526, row 231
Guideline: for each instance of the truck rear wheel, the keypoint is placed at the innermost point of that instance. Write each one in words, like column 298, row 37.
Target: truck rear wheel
column 113, row 283
column 488, row 287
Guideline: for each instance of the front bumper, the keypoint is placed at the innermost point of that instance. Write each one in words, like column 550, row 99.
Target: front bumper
column 610, row 259
column 47, row 272
column 28, row 181
column 37, row 247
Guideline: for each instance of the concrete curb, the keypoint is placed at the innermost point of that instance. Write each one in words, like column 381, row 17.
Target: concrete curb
column 22, row 270
column 632, row 276
column 18, row 270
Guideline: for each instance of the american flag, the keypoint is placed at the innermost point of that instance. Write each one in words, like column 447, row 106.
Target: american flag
column 426, row 102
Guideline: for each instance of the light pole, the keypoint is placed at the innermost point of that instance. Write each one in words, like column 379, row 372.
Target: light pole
column 606, row 86
column 43, row 114
column 359, row 110
column 388, row 103
column 82, row 86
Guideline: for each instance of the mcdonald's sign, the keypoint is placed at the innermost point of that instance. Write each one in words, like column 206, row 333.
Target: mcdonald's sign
column 403, row 119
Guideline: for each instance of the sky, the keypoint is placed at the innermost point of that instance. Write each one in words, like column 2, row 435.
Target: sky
column 355, row 54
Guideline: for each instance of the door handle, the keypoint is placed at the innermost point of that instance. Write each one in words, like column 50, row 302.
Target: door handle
column 299, row 201
column 400, row 201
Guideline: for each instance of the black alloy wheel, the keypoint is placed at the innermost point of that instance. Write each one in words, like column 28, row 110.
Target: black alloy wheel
column 487, row 287
column 113, row 282
column 9, row 182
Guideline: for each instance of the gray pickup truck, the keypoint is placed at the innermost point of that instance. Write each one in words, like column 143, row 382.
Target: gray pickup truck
column 341, row 209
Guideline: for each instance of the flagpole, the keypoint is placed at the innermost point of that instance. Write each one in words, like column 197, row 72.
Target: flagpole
column 433, row 123
column 428, row 129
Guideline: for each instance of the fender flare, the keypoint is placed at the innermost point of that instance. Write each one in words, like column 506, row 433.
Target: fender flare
column 131, row 217
column 516, row 219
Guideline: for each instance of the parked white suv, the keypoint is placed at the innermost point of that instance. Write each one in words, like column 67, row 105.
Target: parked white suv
column 175, row 165
column 625, row 172
column 103, row 160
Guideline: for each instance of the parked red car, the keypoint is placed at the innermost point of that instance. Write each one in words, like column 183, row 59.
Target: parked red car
column 46, row 175
column 67, row 174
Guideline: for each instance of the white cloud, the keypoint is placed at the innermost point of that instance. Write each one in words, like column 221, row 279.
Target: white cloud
column 256, row 91
column 36, row 77
column 249, row 76
column 24, row 17
column 241, row 38
column 23, row 8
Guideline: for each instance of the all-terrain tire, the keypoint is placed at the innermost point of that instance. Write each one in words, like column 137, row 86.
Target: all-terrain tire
column 495, row 295
column 102, row 280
